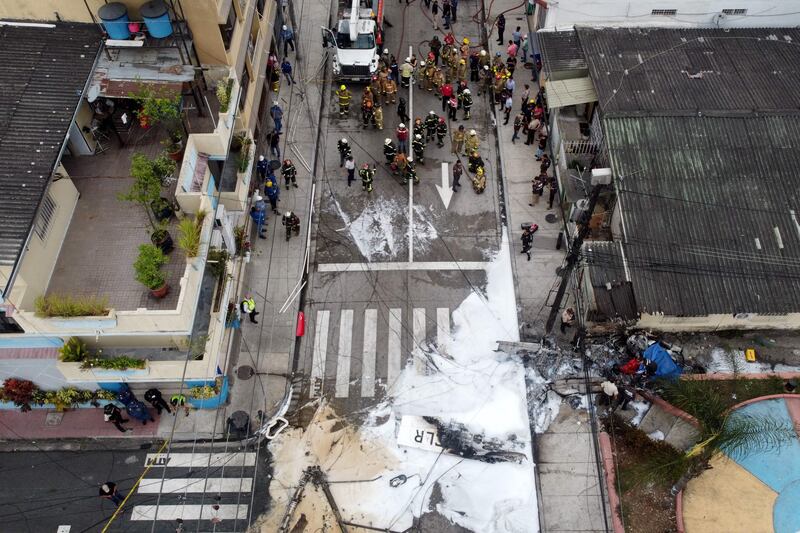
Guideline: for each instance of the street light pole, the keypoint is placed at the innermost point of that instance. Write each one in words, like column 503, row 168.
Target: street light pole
column 410, row 161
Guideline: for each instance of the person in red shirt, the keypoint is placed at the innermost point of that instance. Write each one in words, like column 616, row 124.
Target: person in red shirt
column 447, row 93
column 402, row 138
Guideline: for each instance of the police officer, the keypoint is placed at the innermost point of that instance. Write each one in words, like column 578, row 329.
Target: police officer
column 344, row 101
column 366, row 174
column 431, row 121
column 441, row 131
column 344, row 151
column 419, row 149
column 466, row 101
column 389, row 151
column 289, row 173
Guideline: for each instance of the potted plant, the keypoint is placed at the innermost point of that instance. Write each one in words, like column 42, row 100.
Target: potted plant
column 224, row 89
column 157, row 104
column 173, row 145
column 148, row 269
column 73, row 351
column 239, row 141
column 146, row 191
column 189, row 233
column 19, row 391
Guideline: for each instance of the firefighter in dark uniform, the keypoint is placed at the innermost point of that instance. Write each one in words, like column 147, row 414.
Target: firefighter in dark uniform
column 344, row 151
column 389, row 151
column 431, row 121
column 367, row 175
column 289, row 173
column 419, row 149
column 367, row 114
column 441, row 132
column 344, row 97
column 411, row 173
column 466, row 102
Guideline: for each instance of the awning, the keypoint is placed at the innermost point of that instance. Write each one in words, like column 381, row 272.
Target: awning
column 562, row 93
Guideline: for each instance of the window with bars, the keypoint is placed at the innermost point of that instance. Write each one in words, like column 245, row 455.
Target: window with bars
column 245, row 84
column 46, row 214
column 735, row 11
column 664, row 12
column 227, row 29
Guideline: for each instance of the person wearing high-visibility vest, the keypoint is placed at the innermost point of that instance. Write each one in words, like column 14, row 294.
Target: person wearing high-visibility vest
column 179, row 400
column 249, row 307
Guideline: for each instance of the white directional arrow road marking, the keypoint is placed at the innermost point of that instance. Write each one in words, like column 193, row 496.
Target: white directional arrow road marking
column 445, row 191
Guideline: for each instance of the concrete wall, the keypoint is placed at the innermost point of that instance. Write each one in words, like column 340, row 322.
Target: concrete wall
column 41, row 255
column 690, row 13
column 719, row 322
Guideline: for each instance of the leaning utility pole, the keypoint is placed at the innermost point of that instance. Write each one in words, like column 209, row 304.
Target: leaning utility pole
column 573, row 256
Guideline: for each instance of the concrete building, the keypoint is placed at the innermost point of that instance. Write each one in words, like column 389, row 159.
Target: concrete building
column 75, row 126
column 564, row 14
column 698, row 229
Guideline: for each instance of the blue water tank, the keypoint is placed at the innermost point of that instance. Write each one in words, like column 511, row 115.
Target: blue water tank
column 156, row 18
column 115, row 20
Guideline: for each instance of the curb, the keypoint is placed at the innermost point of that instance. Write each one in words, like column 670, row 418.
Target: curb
column 669, row 408
column 611, row 478
column 726, row 377
column 679, row 513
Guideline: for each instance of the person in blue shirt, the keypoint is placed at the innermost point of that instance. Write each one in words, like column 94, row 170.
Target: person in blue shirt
column 287, row 35
column 277, row 115
column 273, row 193
column 259, row 215
column 286, row 68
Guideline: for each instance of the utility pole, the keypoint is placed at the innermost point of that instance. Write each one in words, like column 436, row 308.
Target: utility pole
column 572, row 257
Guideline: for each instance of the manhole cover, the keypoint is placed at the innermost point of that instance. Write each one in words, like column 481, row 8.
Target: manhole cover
column 245, row 372
column 550, row 217
column 53, row 418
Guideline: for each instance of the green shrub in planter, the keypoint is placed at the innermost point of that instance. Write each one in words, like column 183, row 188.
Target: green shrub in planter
column 73, row 351
column 63, row 305
column 148, row 266
column 123, row 362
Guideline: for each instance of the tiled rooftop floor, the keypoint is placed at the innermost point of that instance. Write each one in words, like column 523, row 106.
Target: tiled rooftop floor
column 101, row 245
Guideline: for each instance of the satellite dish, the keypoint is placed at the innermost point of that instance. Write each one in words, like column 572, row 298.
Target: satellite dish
column 93, row 93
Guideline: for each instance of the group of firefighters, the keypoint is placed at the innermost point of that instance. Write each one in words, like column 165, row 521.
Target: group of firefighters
column 450, row 82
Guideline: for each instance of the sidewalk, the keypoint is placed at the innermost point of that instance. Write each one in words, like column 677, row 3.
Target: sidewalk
column 71, row 424
column 569, row 494
column 276, row 266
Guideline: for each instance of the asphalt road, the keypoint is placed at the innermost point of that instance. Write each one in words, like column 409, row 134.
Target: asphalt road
column 360, row 322
column 41, row 491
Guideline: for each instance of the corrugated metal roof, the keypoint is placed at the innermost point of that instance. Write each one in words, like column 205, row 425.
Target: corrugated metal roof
column 562, row 93
column 561, row 51
column 639, row 70
column 43, row 73
column 701, row 198
column 613, row 293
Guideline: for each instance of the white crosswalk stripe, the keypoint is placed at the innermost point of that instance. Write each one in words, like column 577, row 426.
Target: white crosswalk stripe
column 345, row 353
column 395, row 336
column 320, row 352
column 189, row 512
column 195, row 485
column 371, row 363
column 368, row 359
column 206, row 487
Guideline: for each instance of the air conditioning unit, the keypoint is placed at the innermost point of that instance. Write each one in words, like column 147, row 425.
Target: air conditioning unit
column 601, row 176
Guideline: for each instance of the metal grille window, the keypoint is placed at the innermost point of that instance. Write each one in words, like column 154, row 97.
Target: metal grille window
column 227, row 29
column 735, row 11
column 245, row 85
column 46, row 214
column 664, row 12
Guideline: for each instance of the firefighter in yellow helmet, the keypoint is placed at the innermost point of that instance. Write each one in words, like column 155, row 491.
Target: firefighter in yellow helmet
column 344, row 97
